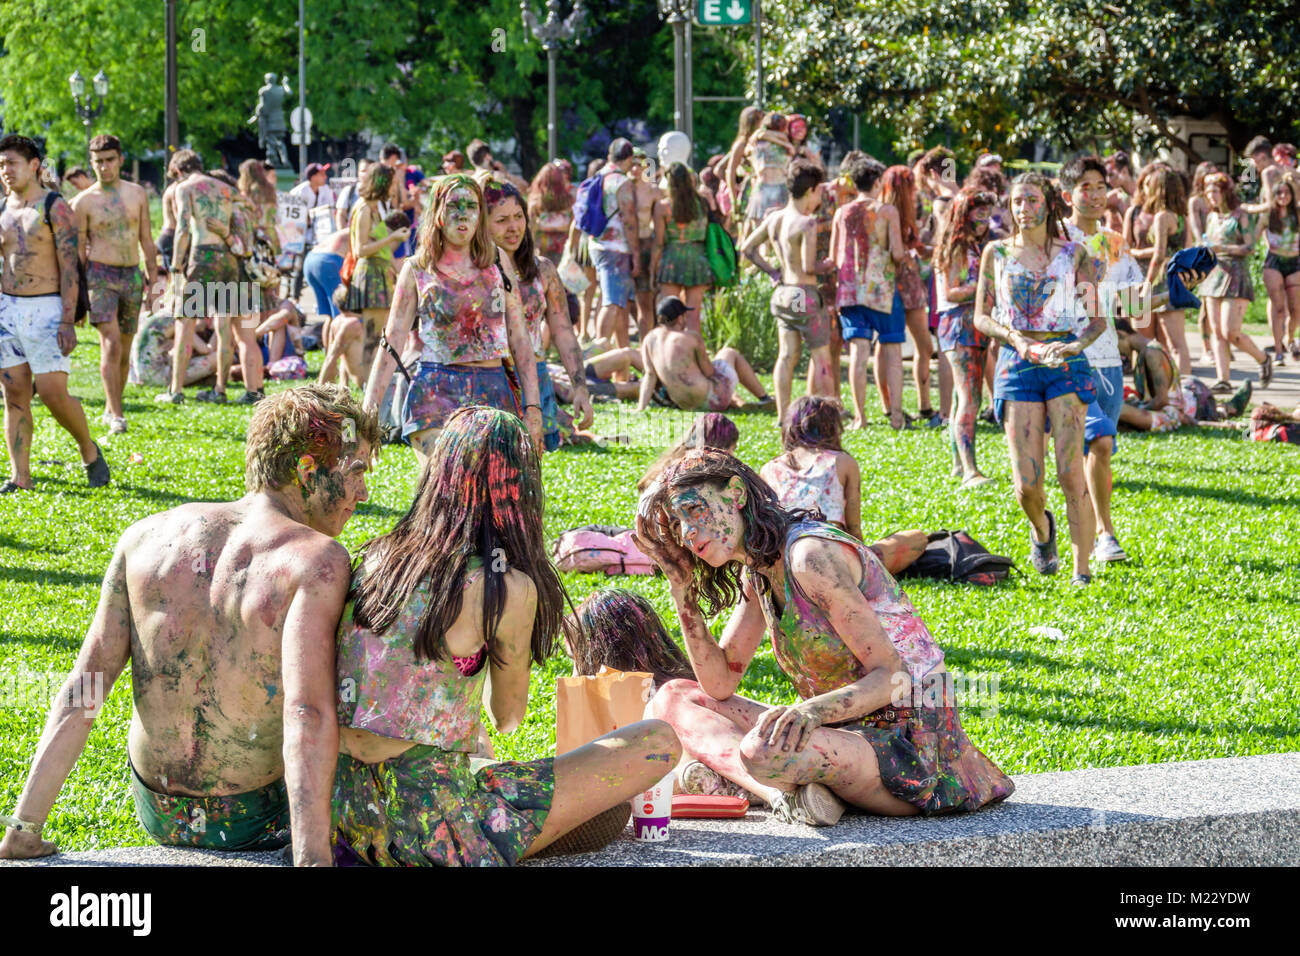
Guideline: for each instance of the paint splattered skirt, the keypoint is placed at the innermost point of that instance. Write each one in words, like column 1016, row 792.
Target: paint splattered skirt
column 428, row 807
column 1230, row 279
column 371, row 287
column 927, row 760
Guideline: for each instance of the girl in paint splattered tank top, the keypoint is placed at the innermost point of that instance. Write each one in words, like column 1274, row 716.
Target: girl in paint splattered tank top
column 470, row 323
column 877, row 725
column 814, row 472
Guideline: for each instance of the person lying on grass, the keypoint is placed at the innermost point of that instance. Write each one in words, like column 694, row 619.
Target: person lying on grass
column 226, row 613
column 444, row 616
column 876, row 726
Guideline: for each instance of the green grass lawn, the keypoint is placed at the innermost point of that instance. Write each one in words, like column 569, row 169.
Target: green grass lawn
column 1186, row 652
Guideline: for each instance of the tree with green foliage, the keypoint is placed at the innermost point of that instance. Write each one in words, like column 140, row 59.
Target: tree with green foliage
column 1074, row 72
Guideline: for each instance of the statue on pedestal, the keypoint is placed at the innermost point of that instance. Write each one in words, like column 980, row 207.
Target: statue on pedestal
column 270, row 120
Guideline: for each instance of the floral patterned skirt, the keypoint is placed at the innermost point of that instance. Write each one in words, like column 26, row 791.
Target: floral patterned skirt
column 428, row 807
column 927, row 760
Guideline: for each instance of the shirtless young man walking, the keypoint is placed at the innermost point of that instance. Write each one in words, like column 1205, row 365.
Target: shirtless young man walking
column 226, row 613
column 796, row 301
column 206, row 280
column 677, row 365
column 113, row 229
column 38, row 241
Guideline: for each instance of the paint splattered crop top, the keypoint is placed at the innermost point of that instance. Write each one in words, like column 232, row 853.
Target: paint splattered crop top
column 807, row 649
column 1030, row 301
column 461, row 322
column 1284, row 244
column 385, row 690
column 816, row 486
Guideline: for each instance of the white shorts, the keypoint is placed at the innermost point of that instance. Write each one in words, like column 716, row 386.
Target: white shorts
column 29, row 333
column 723, row 386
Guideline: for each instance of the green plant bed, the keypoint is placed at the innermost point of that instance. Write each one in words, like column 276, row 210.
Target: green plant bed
column 1186, row 652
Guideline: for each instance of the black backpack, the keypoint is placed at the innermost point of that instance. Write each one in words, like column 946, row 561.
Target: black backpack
column 956, row 556
column 83, row 297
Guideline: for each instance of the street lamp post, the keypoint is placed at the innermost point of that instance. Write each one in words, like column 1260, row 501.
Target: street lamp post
column 678, row 13
column 87, row 112
column 552, row 32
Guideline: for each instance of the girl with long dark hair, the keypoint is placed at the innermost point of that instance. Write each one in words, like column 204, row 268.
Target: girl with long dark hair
column 1282, row 266
column 462, row 588
column 963, row 232
column 1230, row 235
column 678, row 258
column 813, row 470
column 1027, row 299
column 876, row 725
column 546, row 310
column 471, row 324
column 1197, row 209
column 373, row 244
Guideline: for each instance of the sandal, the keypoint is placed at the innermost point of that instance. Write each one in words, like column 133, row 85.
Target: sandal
column 10, row 486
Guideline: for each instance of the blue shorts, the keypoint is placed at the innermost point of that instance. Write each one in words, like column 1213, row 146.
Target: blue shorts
column 1103, row 413
column 957, row 330
column 614, row 270
column 550, row 407
column 1018, row 380
column 859, row 322
column 321, row 270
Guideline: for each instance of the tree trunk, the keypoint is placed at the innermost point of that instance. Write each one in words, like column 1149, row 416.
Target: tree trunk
column 522, row 112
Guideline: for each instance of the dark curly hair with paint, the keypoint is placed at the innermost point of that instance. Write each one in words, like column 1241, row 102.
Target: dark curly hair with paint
column 956, row 235
column 619, row 629
column 765, row 523
column 480, row 493
column 813, row 422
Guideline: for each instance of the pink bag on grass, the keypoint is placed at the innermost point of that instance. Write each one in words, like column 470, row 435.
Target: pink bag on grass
column 600, row 548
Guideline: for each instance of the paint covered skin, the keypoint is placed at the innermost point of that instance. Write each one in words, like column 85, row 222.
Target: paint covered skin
column 113, row 222
column 805, row 644
column 866, row 272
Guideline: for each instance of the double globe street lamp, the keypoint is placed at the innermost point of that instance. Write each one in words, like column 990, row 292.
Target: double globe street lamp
column 552, row 32
column 87, row 112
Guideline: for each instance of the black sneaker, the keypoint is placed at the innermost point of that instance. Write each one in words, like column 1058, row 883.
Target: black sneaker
column 97, row 471
column 211, row 395
column 1266, row 372
column 250, row 398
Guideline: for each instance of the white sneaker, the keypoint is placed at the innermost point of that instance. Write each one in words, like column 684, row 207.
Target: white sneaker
column 117, row 426
column 1108, row 548
column 813, row 804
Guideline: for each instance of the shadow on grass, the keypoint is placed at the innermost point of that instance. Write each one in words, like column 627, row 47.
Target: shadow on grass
column 961, row 655
column 38, row 576
column 1229, row 495
column 51, row 641
column 13, row 544
column 1166, row 726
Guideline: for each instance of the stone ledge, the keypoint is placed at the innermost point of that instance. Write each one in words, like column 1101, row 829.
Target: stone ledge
column 1238, row 811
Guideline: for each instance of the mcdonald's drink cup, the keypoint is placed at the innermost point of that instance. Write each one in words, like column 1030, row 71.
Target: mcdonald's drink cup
column 651, row 810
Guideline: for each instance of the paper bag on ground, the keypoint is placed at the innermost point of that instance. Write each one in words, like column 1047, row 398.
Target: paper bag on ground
column 587, row 707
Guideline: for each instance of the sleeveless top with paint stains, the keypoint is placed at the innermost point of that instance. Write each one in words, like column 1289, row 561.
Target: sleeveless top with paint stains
column 533, row 295
column 805, row 644
column 461, row 322
column 1030, row 301
column 815, row 486
column 385, row 690
column 865, row 271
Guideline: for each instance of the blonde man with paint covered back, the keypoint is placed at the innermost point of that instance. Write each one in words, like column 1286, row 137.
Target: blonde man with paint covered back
column 225, row 612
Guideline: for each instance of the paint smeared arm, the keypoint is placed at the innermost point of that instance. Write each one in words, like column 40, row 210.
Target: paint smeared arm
column 507, row 699
column 852, row 495
column 566, row 343
column 649, row 380
column 986, row 298
column 147, row 248
column 64, row 225
column 181, row 241
column 401, row 315
column 822, row 569
column 103, row 655
column 521, row 350
column 311, row 726
column 753, row 242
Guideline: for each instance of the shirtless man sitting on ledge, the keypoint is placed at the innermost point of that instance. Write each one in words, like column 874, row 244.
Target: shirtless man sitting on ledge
column 226, row 612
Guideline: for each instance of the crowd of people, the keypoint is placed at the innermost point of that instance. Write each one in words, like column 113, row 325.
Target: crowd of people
column 278, row 679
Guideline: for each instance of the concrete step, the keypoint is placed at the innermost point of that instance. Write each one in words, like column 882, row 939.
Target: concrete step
column 1239, row 811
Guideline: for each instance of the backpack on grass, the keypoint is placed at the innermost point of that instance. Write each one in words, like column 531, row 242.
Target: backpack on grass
column 597, row 547
column 956, row 556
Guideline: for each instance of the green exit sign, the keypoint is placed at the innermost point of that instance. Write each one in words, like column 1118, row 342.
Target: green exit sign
column 724, row 13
